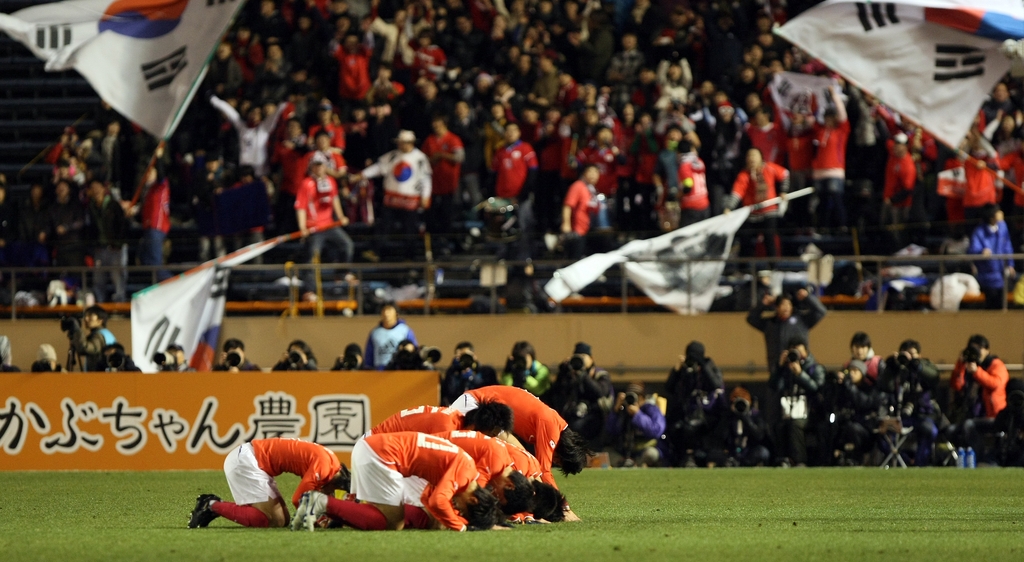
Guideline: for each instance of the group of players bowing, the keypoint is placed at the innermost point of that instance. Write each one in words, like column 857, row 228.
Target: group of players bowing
column 458, row 468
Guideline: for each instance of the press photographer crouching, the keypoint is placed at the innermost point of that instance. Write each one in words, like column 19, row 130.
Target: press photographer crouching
column 979, row 394
column 46, row 360
column 741, row 434
column 233, row 358
column 696, row 402
column 115, row 360
column 795, row 380
column 851, row 405
column 1009, row 425
column 88, row 337
column 408, row 357
column 581, row 393
column 172, row 360
column 634, row 428
column 522, row 370
column 299, row 357
column 351, row 360
column 906, row 384
column 465, row 373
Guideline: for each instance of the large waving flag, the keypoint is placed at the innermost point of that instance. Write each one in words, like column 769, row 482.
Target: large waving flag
column 143, row 57
column 935, row 61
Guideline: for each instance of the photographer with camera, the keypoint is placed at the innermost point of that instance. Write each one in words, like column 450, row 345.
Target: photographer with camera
column 115, row 360
column 581, row 393
column 351, row 360
column 172, row 360
column 696, row 400
column 741, row 435
column 233, row 358
column 796, row 380
column 465, row 373
column 88, row 337
column 850, row 403
column 634, row 428
column 979, row 393
column 46, row 360
column 409, row 357
column 906, row 383
column 299, row 357
column 1009, row 425
column 783, row 318
column 522, row 370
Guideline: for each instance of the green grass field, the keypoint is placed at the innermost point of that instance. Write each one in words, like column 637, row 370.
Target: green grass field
column 642, row 515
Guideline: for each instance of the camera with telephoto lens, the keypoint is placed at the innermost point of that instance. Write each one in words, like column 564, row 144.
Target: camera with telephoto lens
column 430, row 354
column 348, row 362
column 233, row 359
column 903, row 359
column 740, row 405
column 631, row 399
column 116, row 359
column 971, row 355
column 70, row 324
column 467, row 362
column 295, row 360
column 518, row 364
column 165, row 361
column 793, row 356
column 576, row 362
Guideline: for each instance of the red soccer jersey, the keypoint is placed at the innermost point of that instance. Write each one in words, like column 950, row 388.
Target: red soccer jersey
column 428, row 59
column 156, row 208
column 750, row 192
column 535, row 422
column 831, row 144
column 606, row 162
column 491, row 455
column 771, row 141
column 336, row 132
column 316, row 464
column 353, row 73
column 424, row 419
column 447, row 468
column 900, row 175
column 523, row 462
column 981, row 184
column 512, row 164
column 578, row 199
column 445, row 173
column 692, row 175
column 1015, row 161
column 316, row 197
column 293, row 168
column 801, row 151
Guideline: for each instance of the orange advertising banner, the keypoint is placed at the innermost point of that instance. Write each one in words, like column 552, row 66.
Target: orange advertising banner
column 175, row 421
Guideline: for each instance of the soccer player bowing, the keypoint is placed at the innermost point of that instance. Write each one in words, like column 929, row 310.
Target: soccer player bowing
column 250, row 470
column 380, row 466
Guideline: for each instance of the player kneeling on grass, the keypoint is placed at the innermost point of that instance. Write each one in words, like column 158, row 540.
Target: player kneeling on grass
column 489, row 418
column 250, row 470
column 381, row 465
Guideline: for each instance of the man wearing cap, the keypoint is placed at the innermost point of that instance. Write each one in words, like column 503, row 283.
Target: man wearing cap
column 900, row 177
column 316, row 206
column 408, row 183
column 696, row 402
column 581, row 393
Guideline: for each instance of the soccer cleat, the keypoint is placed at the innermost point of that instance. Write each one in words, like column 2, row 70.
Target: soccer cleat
column 202, row 515
column 300, row 512
column 316, row 507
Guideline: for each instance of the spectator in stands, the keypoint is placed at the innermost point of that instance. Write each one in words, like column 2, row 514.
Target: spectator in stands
column 906, row 385
column 581, row 393
column 795, row 380
column 298, row 357
column 851, row 405
column 328, row 122
column 980, row 169
column 446, row 154
column 624, row 69
column 465, row 126
column 224, row 75
column 64, row 225
column 316, row 207
column 105, row 230
column 577, row 211
column 523, row 370
column 782, row 318
column 465, row 373
column 8, row 226
column 692, row 188
column 828, row 167
column 515, row 169
column 696, row 402
column 635, row 427
column 978, row 383
column 233, row 358
column 758, row 182
column 992, row 237
column 353, row 68
column 156, row 215
column 33, row 222
column 90, row 338
column 253, row 133
column 861, row 350
column 900, row 178
column 385, row 337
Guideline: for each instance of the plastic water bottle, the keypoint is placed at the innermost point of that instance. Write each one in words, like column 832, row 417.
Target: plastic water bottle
column 960, row 457
column 970, row 460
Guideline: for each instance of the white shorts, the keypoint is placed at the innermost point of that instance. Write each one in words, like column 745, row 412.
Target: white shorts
column 372, row 480
column 414, row 486
column 248, row 483
column 464, row 404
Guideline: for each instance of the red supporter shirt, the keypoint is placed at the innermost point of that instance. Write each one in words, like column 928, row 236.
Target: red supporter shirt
column 692, row 168
column 491, row 455
column 512, row 164
column 156, row 208
column 446, row 173
column 900, row 175
column 336, row 132
column 447, row 469
column 578, row 199
column 427, row 57
column 981, row 185
column 535, row 422
column 801, row 151
column 424, row 419
column 1015, row 162
column 293, row 168
column 831, row 145
column 353, row 73
column 750, row 192
column 316, row 197
column 606, row 162
column 316, row 464
column 771, row 141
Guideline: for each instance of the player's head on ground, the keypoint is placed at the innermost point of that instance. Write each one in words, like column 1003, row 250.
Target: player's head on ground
column 571, row 452
column 478, row 506
column 342, row 480
column 514, row 492
column 547, row 502
column 489, row 418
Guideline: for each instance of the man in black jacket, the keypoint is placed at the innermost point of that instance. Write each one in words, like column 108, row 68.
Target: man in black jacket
column 783, row 318
column 696, row 401
column 850, row 406
column 796, row 380
column 581, row 393
column 105, row 228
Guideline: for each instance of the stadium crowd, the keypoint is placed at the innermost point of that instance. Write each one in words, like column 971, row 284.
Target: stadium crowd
column 593, row 122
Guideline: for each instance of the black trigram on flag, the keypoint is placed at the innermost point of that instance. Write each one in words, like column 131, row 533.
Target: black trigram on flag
column 53, row 36
column 956, row 62
column 161, row 72
column 873, row 15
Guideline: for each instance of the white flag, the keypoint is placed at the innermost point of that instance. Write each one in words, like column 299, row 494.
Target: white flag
column 143, row 57
column 801, row 93
column 935, row 61
column 686, row 288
